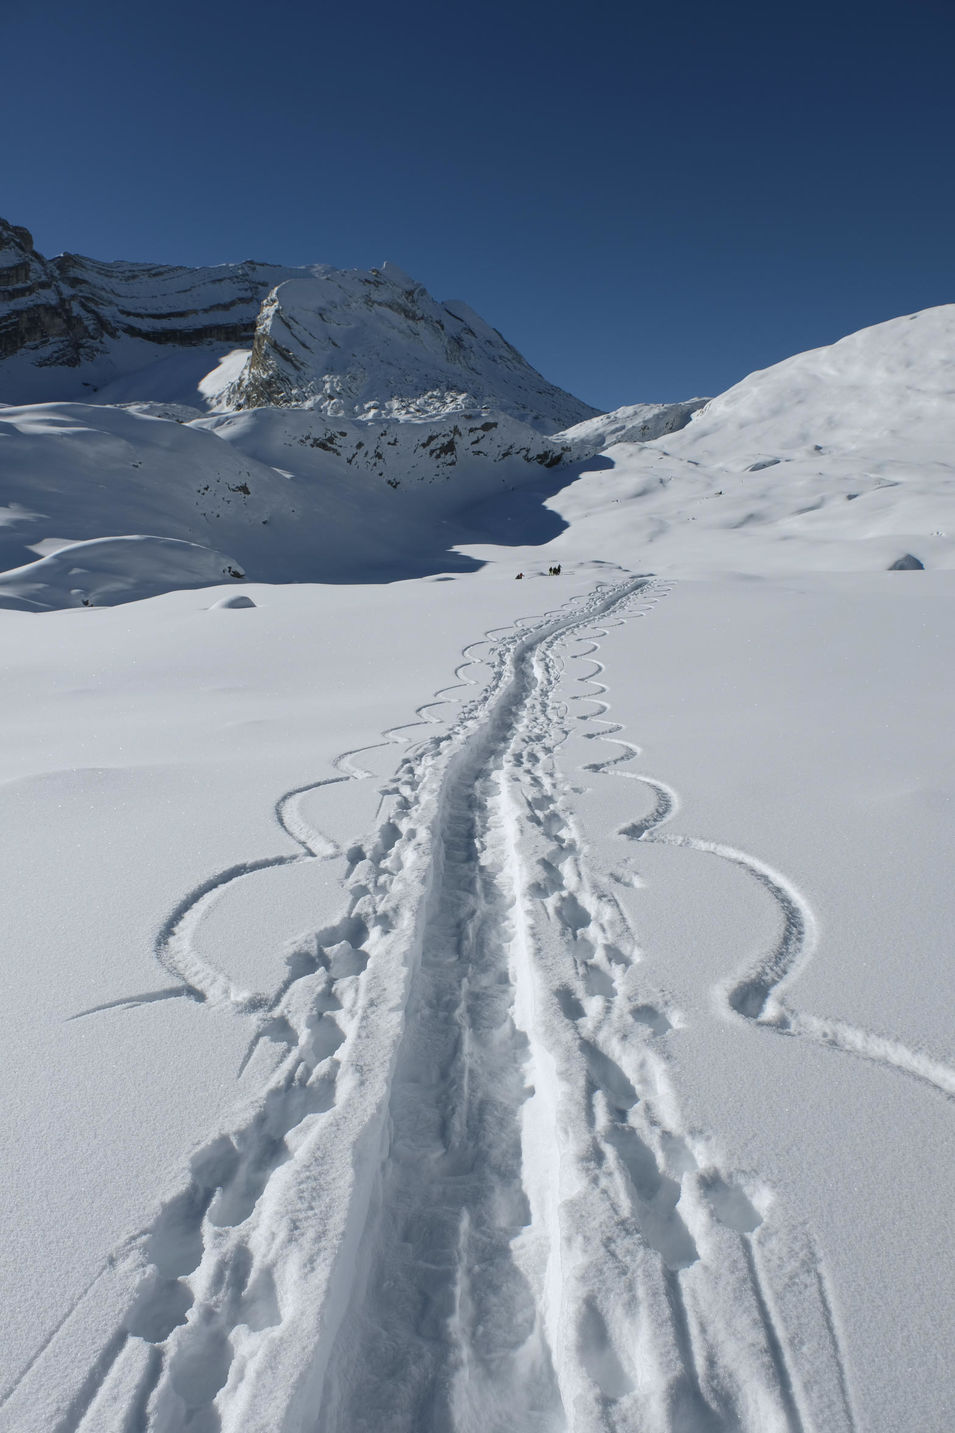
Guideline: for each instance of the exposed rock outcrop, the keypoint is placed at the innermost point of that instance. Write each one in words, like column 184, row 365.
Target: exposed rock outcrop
column 37, row 311
column 907, row 563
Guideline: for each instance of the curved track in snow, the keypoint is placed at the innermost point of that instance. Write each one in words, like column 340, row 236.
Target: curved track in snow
column 756, row 993
column 466, row 1199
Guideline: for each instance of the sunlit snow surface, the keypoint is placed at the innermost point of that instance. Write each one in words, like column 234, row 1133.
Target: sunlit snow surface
column 463, row 1004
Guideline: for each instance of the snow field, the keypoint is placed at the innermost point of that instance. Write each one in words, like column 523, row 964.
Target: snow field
column 475, row 946
column 835, row 944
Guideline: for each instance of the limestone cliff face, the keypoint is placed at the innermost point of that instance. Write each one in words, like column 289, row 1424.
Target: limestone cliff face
column 37, row 311
column 161, row 303
column 93, row 321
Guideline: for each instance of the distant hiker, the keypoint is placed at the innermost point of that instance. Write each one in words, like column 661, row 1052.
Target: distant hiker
column 519, row 576
column 554, row 571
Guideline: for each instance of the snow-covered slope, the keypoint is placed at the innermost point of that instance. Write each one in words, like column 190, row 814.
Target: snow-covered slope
column 891, row 386
column 356, row 390
column 840, row 458
column 537, row 1066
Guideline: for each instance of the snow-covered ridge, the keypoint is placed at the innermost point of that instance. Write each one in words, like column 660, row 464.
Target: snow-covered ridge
column 891, row 384
column 405, row 453
column 376, row 344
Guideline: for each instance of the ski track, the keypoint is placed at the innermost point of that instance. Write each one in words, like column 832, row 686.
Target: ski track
column 706, row 1346
column 466, row 1201
column 755, row 994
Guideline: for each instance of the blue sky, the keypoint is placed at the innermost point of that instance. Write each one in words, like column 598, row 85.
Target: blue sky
column 649, row 200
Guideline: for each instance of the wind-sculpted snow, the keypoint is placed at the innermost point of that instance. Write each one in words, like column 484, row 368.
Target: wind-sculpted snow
column 465, row 1196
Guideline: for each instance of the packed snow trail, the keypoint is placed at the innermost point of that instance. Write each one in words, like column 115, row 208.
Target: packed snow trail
column 466, row 1199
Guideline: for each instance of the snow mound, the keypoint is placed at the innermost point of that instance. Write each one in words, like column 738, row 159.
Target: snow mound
column 109, row 570
column 231, row 603
column 82, row 472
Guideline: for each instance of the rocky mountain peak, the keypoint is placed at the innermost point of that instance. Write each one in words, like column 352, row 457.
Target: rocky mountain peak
column 371, row 344
column 357, row 344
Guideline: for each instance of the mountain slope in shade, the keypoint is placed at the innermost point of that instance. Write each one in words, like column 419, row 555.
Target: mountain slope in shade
column 279, row 495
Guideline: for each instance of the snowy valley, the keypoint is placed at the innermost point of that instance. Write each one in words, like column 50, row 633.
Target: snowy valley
column 441, row 1003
